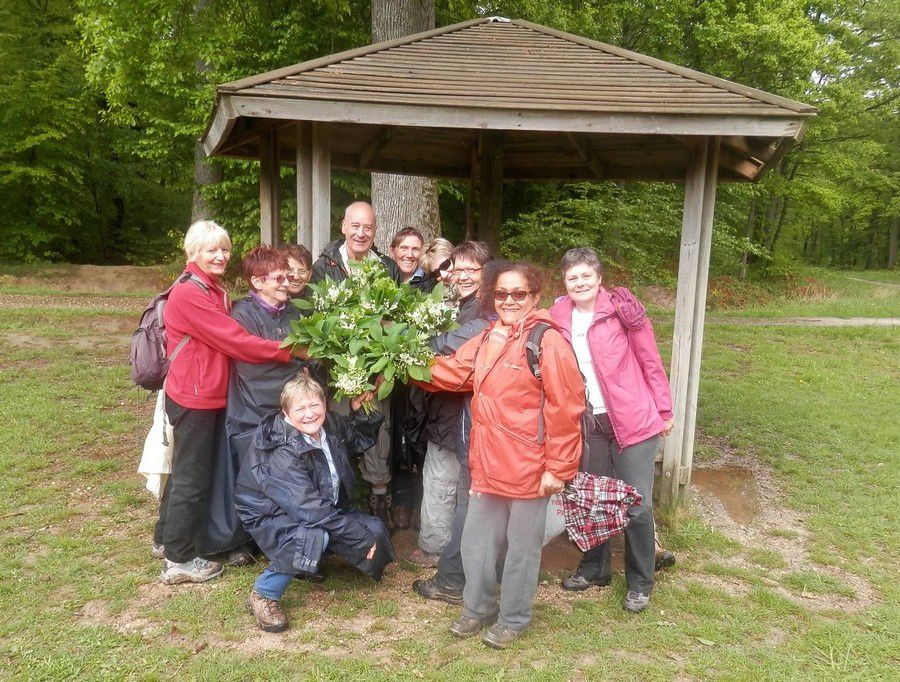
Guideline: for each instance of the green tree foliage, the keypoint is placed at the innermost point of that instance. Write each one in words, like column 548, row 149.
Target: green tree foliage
column 103, row 102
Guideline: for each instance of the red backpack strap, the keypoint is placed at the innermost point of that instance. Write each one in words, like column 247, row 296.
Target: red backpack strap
column 630, row 311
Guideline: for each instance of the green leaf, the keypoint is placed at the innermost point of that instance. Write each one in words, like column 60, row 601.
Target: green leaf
column 385, row 389
column 417, row 372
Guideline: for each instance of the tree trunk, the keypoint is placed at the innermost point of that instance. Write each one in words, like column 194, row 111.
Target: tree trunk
column 892, row 246
column 205, row 173
column 403, row 200
column 748, row 233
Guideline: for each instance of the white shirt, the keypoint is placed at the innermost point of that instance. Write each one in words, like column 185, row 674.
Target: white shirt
column 323, row 444
column 581, row 322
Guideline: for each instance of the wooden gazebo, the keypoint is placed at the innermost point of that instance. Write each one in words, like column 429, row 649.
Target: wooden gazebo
column 492, row 100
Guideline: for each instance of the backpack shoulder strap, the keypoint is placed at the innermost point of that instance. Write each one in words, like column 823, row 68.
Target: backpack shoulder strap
column 191, row 277
column 533, row 348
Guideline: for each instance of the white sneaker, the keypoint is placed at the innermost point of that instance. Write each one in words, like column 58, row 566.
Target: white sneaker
column 196, row 570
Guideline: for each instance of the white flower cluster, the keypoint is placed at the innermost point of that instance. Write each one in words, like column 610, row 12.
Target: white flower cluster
column 428, row 316
column 354, row 379
column 333, row 296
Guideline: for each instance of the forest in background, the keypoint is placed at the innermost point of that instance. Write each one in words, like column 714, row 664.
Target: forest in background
column 101, row 103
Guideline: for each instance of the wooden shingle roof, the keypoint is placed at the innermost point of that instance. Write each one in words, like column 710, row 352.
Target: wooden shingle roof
column 576, row 104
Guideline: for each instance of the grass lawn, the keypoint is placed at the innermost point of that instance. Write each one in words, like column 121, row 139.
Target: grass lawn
column 807, row 589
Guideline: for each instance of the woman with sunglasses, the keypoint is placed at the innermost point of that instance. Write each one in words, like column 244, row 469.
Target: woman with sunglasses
column 632, row 407
column 254, row 391
column 525, row 443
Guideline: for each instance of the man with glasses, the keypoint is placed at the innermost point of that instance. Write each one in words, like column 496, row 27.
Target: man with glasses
column 358, row 244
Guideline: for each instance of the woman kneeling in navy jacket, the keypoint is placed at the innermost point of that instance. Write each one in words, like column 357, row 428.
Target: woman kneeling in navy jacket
column 293, row 495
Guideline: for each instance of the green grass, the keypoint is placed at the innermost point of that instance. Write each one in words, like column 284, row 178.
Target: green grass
column 816, row 406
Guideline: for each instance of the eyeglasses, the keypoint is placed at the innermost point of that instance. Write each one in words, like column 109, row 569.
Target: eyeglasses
column 518, row 295
column 302, row 272
column 280, row 279
column 468, row 271
column 446, row 266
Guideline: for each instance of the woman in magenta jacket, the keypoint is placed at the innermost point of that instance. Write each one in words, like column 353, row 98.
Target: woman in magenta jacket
column 196, row 389
column 632, row 407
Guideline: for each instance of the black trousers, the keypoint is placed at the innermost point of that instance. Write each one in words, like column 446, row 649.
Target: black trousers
column 184, row 506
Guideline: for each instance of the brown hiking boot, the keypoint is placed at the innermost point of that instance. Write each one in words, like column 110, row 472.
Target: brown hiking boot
column 420, row 557
column 499, row 636
column 380, row 508
column 268, row 613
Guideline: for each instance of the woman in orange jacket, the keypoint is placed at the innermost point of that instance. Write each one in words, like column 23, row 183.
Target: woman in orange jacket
column 525, row 443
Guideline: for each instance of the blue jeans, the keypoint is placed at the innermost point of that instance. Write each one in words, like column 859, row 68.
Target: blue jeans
column 272, row 584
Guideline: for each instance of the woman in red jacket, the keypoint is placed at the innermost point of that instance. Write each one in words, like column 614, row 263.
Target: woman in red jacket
column 197, row 320
column 629, row 395
column 525, row 443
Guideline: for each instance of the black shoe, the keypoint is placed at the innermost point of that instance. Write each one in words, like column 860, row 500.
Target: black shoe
column 430, row 589
column 663, row 559
column 577, row 582
column 311, row 577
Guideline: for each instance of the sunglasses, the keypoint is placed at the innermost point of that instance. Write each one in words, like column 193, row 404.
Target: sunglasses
column 281, row 279
column 518, row 295
column 445, row 266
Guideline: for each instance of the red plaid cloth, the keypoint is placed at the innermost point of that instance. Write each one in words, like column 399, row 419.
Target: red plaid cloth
column 595, row 508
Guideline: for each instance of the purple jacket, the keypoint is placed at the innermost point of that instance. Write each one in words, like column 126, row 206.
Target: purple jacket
column 629, row 369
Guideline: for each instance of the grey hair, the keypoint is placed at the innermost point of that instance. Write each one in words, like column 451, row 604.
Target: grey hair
column 581, row 255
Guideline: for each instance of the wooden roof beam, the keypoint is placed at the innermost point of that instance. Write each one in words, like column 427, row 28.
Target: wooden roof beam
column 598, row 168
column 378, row 143
column 763, row 152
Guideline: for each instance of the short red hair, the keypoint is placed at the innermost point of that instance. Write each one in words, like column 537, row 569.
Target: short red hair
column 262, row 260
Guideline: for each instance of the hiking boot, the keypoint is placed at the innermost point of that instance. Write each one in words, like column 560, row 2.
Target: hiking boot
column 635, row 602
column 663, row 559
column 401, row 517
column 466, row 626
column 158, row 550
column 240, row 557
column 432, row 589
column 196, row 570
column 419, row 557
column 499, row 636
column 268, row 613
column 380, row 508
column 578, row 582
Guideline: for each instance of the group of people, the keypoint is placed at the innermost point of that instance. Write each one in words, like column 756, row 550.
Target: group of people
column 265, row 459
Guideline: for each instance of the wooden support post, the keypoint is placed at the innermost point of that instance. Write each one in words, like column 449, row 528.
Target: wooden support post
column 321, row 189
column 304, row 185
column 690, row 315
column 490, row 187
column 472, row 199
column 269, row 188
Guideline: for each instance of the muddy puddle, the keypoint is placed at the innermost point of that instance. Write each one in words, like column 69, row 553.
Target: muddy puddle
column 735, row 487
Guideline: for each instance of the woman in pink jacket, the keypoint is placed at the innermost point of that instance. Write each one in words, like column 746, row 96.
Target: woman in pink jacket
column 632, row 405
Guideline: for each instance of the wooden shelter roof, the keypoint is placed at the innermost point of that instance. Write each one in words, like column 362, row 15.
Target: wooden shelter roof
column 572, row 108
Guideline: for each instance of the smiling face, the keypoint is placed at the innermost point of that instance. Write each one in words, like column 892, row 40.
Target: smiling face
column 582, row 285
column 467, row 275
column 406, row 255
column 306, row 414
column 272, row 287
column 298, row 276
column 213, row 259
column 358, row 229
column 512, row 285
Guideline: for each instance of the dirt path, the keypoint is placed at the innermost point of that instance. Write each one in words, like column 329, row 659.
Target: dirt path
column 116, row 304
column 808, row 321
column 874, row 282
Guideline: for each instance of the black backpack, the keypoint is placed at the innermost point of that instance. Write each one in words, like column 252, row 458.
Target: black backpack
column 533, row 357
column 149, row 364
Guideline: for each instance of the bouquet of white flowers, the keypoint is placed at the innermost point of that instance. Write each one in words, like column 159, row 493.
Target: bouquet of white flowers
column 367, row 325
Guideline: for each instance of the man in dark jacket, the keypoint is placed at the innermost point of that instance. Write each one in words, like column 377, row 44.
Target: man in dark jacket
column 358, row 228
column 442, row 471
column 293, row 495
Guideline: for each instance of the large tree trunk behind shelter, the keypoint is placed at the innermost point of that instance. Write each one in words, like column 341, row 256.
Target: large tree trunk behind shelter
column 403, row 200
